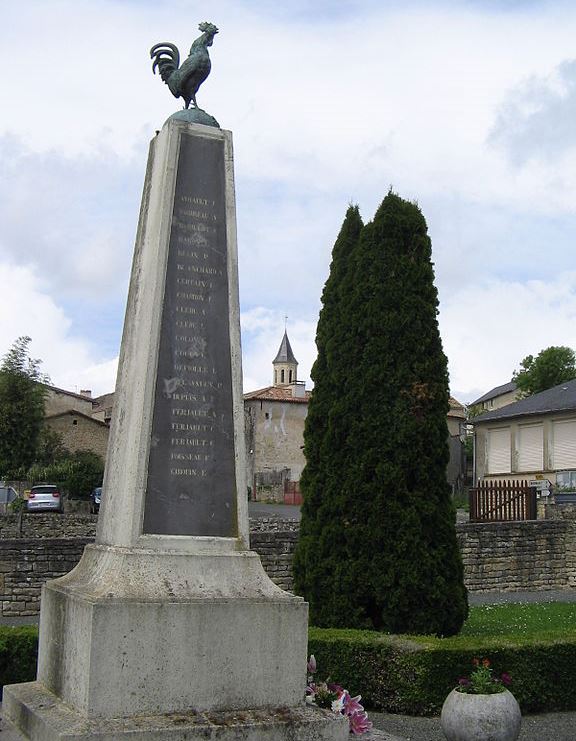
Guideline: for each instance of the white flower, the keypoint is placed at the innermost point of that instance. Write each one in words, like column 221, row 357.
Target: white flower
column 338, row 705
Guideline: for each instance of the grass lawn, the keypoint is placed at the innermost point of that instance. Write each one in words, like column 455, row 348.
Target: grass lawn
column 513, row 623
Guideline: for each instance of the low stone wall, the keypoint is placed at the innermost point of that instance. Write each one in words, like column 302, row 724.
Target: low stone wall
column 497, row 556
column 276, row 550
column 512, row 556
column 47, row 525
column 25, row 564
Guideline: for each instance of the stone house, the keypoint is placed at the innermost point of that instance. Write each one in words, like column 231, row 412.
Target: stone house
column 529, row 439
column 80, row 431
column 274, row 425
column 58, row 400
column 102, row 407
column 71, row 415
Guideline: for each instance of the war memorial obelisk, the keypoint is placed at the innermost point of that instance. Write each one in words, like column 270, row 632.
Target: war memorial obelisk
column 169, row 628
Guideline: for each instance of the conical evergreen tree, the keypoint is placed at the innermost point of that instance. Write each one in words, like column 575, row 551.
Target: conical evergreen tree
column 378, row 545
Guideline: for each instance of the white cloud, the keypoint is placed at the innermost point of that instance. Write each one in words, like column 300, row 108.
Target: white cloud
column 489, row 330
column 27, row 310
column 536, row 119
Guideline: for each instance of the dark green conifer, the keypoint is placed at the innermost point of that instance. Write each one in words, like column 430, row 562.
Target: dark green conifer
column 378, row 545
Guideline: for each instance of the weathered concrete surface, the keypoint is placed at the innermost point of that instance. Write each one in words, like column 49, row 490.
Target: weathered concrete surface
column 128, row 633
column 40, row 715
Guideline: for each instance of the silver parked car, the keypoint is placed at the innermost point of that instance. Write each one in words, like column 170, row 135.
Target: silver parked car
column 44, row 497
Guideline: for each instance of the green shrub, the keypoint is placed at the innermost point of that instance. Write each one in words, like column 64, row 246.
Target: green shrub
column 18, row 654
column 414, row 675
column 377, row 546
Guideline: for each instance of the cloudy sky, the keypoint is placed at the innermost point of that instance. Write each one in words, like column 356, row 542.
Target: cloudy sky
column 467, row 106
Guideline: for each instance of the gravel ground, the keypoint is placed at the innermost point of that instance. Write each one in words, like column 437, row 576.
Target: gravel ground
column 546, row 727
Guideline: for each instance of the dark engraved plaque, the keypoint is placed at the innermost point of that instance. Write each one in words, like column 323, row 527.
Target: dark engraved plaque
column 191, row 486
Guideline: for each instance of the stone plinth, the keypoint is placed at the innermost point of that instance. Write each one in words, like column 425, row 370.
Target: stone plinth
column 169, row 618
column 41, row 715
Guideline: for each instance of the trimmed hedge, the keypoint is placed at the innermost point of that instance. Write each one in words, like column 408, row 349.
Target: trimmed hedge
column 394, row 673
column 413, row 676
column 18, row 654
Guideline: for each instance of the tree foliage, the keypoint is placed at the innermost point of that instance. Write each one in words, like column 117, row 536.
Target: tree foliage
column 76, row 473
column 377, row 543
column 551, row 367
column 22, row 396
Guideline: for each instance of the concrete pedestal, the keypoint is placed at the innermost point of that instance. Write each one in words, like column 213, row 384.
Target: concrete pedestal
column 130, row 633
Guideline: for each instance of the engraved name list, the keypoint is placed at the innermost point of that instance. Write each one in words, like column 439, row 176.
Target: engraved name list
column 191, row 473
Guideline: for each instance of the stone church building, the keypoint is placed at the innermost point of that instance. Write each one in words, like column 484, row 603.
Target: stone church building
column 274, row 422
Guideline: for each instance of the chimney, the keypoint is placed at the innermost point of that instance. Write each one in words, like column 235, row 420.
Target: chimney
column 86, row 392
column 298, row 389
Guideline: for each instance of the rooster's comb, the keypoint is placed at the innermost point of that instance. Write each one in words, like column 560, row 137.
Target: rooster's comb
column 206, row 27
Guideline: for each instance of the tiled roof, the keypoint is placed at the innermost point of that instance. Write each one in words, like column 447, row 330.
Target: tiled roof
column 277, row 393
column 74, row 413
column 495, row 392
column 561, row 398
column 285, row 354
column 104, row 402
column 57, row 390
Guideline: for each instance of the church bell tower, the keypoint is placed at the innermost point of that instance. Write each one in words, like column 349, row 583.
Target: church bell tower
column 285, row 364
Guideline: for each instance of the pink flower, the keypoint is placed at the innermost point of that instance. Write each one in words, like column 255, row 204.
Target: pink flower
column 506, row 678
column 359, row 723
column 311, row 666
column 352, row 705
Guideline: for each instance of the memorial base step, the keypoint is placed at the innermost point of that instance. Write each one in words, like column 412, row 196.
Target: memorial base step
column 38, row 714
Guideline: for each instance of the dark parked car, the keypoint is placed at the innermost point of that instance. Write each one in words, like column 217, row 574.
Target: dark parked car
column 43, row 498
column 95, row 497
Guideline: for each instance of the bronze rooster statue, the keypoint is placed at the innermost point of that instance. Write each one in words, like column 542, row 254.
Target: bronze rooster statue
column 184, row 81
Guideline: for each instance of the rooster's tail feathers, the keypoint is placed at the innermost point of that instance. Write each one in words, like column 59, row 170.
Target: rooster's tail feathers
column 166, row 59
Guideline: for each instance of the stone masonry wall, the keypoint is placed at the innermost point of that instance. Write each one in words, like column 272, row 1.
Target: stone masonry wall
column 80, row 433
column 25, row 564
column 516, row 556
column 535, row 555
column 47, row 525
column 276, row 550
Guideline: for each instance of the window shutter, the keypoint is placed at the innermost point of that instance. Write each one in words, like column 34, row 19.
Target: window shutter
column 499, row 451
column 564, row 446
column 530, row 448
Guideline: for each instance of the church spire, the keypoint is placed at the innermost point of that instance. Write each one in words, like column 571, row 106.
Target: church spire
column 285, row 364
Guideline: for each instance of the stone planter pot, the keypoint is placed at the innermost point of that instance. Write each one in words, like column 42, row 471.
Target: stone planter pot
column 467, row 717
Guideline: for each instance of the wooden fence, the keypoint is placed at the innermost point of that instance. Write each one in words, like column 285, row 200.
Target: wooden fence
column 502, row 501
